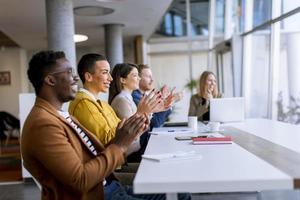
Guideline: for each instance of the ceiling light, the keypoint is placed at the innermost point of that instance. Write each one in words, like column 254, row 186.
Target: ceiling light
column 80, row 38
column 92, row 11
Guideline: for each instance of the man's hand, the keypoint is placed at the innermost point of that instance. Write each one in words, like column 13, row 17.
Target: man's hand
column 149, row 102
column 165, row 92
column 166, row 104
column 128, row 130
column 177, row 96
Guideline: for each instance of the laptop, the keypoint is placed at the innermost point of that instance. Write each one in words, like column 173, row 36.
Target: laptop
column 227, row 109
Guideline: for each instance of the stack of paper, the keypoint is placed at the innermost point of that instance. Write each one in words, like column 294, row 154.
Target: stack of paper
column 212, row 140
column 170, row 131
column 178, row 155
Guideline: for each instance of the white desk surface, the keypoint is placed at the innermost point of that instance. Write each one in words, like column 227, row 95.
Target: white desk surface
column 284, row 134
column 223, row 168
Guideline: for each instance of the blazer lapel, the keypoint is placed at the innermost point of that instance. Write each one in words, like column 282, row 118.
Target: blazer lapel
column 47, row 106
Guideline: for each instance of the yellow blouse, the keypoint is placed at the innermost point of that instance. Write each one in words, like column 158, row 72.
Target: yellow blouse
column 97, row 116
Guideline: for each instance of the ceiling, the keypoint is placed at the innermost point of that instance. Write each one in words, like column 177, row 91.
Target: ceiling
column 24, row 21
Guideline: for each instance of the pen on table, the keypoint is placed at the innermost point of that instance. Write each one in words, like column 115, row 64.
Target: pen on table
column 177, row 130
column 153, row 133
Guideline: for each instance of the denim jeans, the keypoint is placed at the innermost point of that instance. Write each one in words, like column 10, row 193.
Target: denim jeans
column 115, row 191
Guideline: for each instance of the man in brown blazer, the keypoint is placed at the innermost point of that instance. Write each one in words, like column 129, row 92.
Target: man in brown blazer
column 68, row 160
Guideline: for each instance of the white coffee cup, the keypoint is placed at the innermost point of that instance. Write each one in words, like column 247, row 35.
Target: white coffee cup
column 214, row 126
column 193, row 123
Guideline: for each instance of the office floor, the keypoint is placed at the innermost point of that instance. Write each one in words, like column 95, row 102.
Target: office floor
column 10, row 161
column 29, row 191
column 20, row 191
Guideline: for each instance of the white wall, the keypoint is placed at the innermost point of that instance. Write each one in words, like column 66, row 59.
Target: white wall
column 128, row 57
column 169, row 62
column 15, row 61
column 128, row 51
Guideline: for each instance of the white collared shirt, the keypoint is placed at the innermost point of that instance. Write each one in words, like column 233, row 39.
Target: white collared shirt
column 88, row 93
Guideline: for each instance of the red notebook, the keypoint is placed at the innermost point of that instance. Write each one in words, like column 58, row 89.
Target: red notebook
column 212, row 140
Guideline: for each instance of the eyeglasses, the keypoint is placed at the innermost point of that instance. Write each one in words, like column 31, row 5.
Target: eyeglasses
column 69, row 71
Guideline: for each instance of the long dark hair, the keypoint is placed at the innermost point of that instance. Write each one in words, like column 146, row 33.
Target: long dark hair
column 119, row 71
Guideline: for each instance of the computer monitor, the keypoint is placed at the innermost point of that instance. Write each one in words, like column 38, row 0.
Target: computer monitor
column 227, row 109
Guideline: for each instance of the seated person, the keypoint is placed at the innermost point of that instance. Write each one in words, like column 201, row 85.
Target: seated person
column 96, row 115
column 67, row 159
column 199, row 103
column 145, row 86
column 125, row 81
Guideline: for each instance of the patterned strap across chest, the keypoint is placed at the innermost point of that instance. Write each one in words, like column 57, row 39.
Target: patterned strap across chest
column 83, row 135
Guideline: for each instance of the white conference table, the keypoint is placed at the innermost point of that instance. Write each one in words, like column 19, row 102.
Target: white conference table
column 255, row 161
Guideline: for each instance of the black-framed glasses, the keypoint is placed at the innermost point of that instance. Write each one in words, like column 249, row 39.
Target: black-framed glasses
column 69, row 71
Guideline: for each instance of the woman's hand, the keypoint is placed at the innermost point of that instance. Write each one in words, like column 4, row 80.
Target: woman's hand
column 178, row 96
column 208, row 94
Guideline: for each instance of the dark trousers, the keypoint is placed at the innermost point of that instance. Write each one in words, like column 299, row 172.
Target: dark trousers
column 115, row 191
column 137, row 156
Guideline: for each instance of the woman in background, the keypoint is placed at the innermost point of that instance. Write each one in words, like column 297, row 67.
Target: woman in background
column 208, row 89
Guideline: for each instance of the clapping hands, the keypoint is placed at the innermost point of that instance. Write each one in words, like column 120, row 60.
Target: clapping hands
column 128, row 130
column 150, row 102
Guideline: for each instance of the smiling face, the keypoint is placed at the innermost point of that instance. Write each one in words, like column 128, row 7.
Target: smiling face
column 100, row 80
column 131, row 82
column 210, row 82
column 64, row 82
column 146, row 79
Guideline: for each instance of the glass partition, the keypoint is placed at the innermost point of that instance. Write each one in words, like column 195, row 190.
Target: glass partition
column 288, row 5
column 259, row 75
column 261, row 11
column 174, row 21
column 199, row 17
column 287, row 78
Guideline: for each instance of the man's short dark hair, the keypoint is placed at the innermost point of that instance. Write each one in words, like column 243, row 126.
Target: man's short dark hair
column 40, row 64
column 141, row 67
column 86, row 64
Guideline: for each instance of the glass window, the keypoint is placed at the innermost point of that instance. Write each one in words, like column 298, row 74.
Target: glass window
column 219, row 20
column 241, row 7
column 235, row 16
column 178, row 25
column 286, row 81
column 261, row 11
column 227, row 74
column 174, row 22
column 168, row 26
column 199, row 16
column 259, row 75
column 288, row 5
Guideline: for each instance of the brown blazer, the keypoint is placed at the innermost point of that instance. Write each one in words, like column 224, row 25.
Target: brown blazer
column 58, row 158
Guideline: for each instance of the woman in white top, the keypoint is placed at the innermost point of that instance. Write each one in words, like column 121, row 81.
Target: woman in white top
column 125, row 81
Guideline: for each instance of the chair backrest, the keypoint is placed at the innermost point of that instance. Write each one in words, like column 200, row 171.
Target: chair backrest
column 6, row 119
